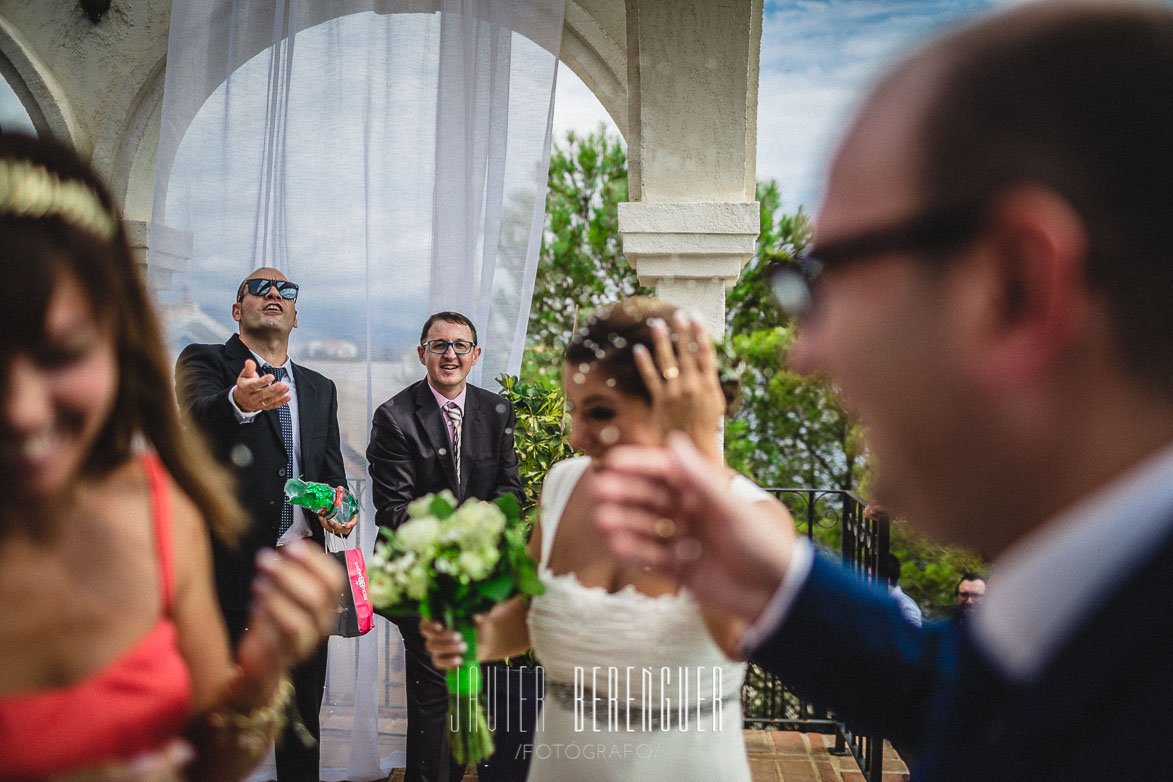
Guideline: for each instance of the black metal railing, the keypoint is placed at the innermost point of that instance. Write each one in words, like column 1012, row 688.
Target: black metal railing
column 833, row 519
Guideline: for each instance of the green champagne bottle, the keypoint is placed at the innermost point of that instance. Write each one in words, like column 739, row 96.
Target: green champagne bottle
column 338, row 503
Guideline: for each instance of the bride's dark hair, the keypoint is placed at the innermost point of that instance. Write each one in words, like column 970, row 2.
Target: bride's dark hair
column 606, row 338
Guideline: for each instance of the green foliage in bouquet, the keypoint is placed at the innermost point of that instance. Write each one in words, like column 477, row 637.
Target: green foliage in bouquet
column 451, row 563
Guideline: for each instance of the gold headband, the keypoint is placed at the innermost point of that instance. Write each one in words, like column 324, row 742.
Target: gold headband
column 30, row 190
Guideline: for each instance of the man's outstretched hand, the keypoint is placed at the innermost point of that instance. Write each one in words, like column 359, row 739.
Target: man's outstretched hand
column 258, row 392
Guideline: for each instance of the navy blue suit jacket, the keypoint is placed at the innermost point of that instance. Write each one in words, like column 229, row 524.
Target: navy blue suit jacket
column 256, row 453
column 410, row 453
column 1099, row 709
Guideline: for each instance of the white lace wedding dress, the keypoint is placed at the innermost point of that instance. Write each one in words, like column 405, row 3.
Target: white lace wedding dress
column 636, row 689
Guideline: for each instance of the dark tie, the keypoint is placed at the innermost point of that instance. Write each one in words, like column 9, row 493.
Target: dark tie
column 454, row 416
column 279, row 374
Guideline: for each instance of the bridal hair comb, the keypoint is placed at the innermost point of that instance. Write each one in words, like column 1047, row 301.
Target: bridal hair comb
column 30, row 190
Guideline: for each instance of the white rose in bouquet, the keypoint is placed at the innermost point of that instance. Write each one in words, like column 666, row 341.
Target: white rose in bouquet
column 415, row 581
column 422, row 507
column 382, row 587
column 476, row 564
column 420, row 536
column 475, row 526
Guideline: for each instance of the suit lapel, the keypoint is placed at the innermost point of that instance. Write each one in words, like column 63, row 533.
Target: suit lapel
column 435, row 428
column 307, row 404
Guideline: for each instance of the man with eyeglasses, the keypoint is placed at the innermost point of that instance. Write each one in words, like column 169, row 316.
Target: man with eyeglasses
column 995, row 243
column 268, row 419
column 969, row 593
column 440, row 433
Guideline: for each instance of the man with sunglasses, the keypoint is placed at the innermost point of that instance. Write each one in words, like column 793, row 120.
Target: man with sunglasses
column 994, row 304
column 440, row 433
column 249, row 399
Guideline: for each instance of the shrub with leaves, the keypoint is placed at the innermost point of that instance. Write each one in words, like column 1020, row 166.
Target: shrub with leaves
column 540, row 432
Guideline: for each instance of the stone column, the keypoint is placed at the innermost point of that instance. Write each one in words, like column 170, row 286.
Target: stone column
column 173, row 249
column 692, row 220
column 690, row 251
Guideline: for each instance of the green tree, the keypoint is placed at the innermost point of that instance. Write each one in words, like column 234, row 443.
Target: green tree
column 929, row 570
column 581, row 265
column 790, row 430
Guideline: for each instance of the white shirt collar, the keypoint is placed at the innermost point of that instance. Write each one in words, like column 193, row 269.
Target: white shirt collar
column 1046, row 585
column 287, row 366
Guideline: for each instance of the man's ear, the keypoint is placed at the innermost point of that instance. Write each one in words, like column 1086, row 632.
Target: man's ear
column 1036, row 245
column 476, row 354
column 420, row 350
column 236, row 312
column 295, row 316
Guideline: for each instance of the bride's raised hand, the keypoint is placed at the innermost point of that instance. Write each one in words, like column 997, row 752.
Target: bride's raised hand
column 683, row 384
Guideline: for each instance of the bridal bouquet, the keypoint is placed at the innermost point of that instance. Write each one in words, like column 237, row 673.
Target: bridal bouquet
column 449, row 564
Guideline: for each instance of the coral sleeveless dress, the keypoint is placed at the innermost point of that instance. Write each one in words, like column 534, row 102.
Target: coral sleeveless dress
column 636, row 688
column 135, row 703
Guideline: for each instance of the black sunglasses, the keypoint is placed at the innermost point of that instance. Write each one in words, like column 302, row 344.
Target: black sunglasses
column 260, row 287
column 932, row 233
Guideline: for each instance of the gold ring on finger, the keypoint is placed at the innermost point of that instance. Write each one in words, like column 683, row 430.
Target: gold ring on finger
column 671, row 373
column 665, row 528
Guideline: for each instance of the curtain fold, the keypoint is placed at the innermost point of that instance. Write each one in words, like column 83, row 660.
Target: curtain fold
column 390, row 156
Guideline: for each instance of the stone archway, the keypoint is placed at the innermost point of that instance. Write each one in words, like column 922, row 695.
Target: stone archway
column 594, row 47
column 679, row 77
column 32, row 80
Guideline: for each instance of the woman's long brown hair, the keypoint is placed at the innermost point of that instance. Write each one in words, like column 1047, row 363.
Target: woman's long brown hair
column 36, row 252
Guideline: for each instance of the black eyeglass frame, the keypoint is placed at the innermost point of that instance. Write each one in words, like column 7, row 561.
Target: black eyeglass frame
column 448, row 343
column 259, row 286
column 934, row 233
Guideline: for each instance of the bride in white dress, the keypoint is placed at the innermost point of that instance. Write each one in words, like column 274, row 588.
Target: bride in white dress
column 640, row 680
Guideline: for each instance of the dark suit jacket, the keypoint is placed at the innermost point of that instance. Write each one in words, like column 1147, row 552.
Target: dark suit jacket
column 1095, row 712
column 410, row 454
column 256, row 452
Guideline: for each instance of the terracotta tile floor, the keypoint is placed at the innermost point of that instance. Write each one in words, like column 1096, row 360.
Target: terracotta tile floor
column 786, row 756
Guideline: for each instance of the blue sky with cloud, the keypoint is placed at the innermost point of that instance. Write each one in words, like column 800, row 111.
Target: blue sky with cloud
column 817, row 59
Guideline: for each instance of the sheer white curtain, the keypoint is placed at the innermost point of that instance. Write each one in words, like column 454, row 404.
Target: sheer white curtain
column 391, row 158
